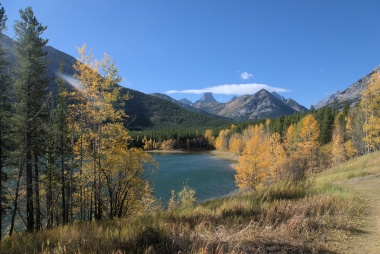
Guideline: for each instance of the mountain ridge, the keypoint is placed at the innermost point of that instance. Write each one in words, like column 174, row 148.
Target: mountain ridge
column 352, row 94
column 145, row 111
column 250, row 107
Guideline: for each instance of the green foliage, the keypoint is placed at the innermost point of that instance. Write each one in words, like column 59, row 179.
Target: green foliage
column 30, row 84
column 183, row 200
column 147, row 112
column 5, row 115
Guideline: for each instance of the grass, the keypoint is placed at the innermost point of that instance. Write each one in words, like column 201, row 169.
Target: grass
column 357, row 167
column 315, row 216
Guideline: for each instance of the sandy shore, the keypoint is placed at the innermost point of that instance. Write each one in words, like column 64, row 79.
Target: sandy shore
column 224, row 155
column 168, row 151
column 216, row 153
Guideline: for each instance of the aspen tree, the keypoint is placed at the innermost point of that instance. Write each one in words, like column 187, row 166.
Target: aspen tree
column 113, row 176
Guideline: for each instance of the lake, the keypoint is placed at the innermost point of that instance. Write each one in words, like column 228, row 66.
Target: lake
column 209, row 176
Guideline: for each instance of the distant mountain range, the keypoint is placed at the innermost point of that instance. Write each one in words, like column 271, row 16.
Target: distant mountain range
column 249, row 107
column 350, row 96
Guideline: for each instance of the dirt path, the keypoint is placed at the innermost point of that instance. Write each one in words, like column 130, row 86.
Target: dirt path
column 368, row 239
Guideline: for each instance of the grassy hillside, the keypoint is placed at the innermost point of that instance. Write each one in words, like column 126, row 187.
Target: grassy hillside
column 316, row 216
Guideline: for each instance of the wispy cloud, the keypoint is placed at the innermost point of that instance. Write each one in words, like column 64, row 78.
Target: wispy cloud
column 245, row 75
column 238, row 89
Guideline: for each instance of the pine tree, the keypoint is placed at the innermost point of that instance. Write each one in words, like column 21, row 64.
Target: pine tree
column 326, row 126
column 30, row 84
column 5, row 111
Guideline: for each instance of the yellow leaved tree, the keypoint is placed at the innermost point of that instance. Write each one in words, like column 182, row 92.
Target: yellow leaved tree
column 254, row 164
column 370, row 104
column 308, row 145
column 111, row 177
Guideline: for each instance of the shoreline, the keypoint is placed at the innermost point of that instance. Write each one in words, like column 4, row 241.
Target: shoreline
column 169, row 151
column 224, row 155
column 216, row 153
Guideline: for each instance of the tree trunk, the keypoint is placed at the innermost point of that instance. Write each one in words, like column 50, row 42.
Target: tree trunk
column 37, row 193
column 64, row 206
column 15, row 205
column 49, row 194
column 29, row 183
column 1, row 176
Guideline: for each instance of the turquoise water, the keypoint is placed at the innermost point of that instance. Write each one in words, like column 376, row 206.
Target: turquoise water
column 209, row 176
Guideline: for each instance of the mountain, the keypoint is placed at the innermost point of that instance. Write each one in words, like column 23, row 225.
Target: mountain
column 208, row 103
column 145, row 111
column 278, row 96
column 206, row 98
column 294, row 105
column 185, row 106
column 54, row 58
column 185, row 101
column 232, row 99
column 263, row 104
column 327, row 100
column 352, row 94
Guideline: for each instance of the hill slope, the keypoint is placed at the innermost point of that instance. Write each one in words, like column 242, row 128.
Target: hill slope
column 351, row 95
column 147, row 112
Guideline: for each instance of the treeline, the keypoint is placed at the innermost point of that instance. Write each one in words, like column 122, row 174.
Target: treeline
column 188, row 139
column 65, row 157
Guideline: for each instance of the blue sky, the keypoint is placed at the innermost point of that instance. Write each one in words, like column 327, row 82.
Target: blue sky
column 305, row 50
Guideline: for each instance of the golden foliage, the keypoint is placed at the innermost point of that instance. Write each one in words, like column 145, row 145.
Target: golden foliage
column 371, row 106
column 308, row 145
column 254, row 164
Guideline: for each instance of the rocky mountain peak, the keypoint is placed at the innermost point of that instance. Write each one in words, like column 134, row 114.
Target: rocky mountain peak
column 185, row 101
column 278, row 96
column 206, row 98
column 232, row 99
column 327, row 100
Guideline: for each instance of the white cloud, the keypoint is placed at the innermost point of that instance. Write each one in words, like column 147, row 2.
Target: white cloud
column 238, row 89
column 246, row 75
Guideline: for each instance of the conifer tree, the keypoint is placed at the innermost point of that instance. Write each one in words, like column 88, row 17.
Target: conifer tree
column 30, row 84
column 5, row 110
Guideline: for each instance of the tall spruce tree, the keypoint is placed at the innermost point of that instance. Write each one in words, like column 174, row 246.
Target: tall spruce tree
column 5, row 110
column 30, row 83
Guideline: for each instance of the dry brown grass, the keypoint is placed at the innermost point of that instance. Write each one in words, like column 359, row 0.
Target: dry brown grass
column 319, row 216
column 284, row 218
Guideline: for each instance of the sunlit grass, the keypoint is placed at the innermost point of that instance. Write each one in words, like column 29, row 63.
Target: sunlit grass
column 357, row 167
